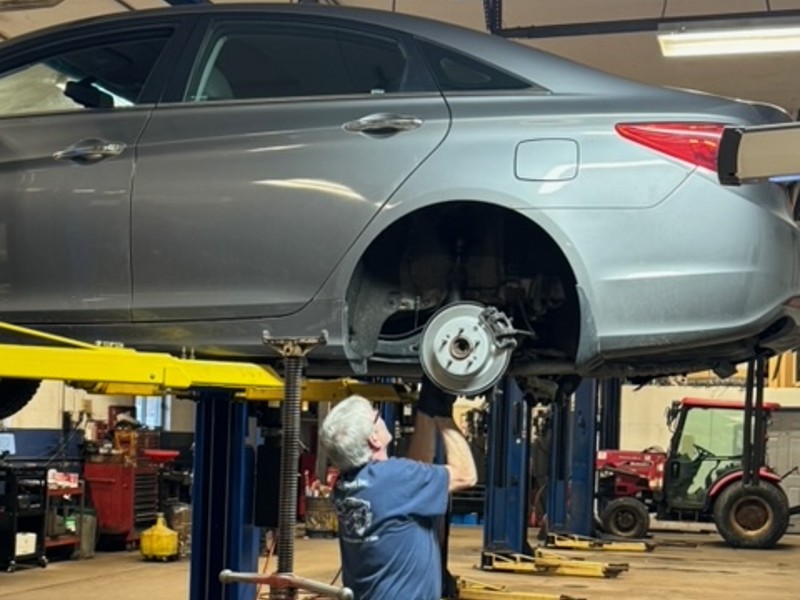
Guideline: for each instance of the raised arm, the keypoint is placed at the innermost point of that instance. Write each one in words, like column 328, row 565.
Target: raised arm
column 460, row 462
column 435, row 414
column 422, row 444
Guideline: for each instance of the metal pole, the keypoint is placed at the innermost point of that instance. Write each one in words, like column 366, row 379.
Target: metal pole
column 747, row 432
column 759, row 433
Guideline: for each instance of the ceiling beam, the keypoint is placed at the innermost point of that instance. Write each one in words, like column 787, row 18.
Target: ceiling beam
column 623, row 26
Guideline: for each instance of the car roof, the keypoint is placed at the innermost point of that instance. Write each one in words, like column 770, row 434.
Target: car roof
column 546, row 70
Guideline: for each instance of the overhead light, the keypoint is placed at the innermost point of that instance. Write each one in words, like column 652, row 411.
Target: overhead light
column 740, row 36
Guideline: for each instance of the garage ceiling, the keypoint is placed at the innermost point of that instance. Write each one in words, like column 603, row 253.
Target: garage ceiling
column 771, row 78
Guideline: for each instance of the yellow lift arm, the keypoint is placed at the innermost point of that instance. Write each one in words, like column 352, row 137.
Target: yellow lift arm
column 124, row 371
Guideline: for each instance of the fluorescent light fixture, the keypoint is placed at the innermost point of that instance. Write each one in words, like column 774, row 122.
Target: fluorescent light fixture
column 719, row 38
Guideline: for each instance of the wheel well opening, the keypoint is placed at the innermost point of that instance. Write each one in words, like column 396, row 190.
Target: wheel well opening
column 466, row 251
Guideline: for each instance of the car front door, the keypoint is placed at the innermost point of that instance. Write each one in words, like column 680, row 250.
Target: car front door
column 71, row 111
column 286, row 141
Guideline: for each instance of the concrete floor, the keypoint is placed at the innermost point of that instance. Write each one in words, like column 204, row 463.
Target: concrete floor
column 706, row 569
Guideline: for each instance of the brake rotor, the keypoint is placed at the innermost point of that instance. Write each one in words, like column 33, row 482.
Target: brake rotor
column 466, row 348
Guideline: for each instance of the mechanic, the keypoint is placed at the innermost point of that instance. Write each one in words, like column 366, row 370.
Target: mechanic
column 390, row 509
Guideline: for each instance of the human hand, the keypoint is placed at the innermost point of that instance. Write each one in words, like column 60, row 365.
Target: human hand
column 434, row 401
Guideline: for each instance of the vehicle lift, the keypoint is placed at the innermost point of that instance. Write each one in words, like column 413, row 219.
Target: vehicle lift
column 580, row 423
column 225, row 540
column 570, row 492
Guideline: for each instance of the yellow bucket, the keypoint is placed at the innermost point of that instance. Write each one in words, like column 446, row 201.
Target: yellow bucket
column 159, row 542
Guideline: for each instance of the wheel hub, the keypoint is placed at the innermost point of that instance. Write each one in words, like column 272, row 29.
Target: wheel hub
column 626, row 520
column 751, row 515
column 466, row 347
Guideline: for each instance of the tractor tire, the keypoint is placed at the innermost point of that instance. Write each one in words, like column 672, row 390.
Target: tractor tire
column 15, row 394
column 625, row 518
column 753, row 516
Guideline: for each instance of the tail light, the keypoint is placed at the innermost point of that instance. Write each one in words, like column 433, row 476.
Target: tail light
column 695, row 143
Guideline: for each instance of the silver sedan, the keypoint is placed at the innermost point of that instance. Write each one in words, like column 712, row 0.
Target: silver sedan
column 187, row 178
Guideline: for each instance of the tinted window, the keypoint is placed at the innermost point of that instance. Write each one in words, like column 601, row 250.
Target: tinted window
column 270, row 60
column 457, row 72
column 108, row 75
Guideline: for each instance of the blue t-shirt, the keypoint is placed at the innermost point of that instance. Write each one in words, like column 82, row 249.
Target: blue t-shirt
column 387, row 536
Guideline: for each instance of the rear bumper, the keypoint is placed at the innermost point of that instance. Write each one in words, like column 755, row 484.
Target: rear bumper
column 722, row 282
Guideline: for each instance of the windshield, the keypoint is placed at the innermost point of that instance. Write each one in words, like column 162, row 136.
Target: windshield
column 717, row 430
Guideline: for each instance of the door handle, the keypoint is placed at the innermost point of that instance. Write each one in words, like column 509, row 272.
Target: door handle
column 383, row 124
column 90, row 151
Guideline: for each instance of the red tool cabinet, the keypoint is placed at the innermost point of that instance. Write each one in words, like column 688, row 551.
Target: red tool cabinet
column 125, row 498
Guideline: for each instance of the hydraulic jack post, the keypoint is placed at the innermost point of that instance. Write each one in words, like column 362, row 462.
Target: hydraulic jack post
column 570, row 499
column 578, row 422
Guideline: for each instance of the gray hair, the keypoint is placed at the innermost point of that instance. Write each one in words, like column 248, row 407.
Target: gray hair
column 345, row 432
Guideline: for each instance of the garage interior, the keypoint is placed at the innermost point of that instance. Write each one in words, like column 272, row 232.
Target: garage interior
column 157, row 450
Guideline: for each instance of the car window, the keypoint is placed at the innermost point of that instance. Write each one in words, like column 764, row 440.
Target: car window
column 456, row 72
column 271, row 60
column 103, row 75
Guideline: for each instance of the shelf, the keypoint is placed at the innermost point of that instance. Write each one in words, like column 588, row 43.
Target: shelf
column 57, row 492
column 64, row 540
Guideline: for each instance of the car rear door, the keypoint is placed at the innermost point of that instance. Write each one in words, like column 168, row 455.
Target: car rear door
column 281, row 142
column 72, row 106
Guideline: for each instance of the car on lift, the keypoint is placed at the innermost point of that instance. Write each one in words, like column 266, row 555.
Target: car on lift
column 699, row 479
column 184, row 179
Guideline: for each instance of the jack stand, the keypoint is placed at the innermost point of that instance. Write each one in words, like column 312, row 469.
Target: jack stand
column 294, row 351
column 474, row 590
column 548, row 563
column 284, row 584
column 579, row 542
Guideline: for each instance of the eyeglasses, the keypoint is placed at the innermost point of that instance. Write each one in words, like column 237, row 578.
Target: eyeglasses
column 377, row 416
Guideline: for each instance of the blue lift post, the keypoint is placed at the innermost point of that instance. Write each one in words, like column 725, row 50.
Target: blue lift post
column 507, row 473
column 570, row 498
column 610, row 412
column 224, row 534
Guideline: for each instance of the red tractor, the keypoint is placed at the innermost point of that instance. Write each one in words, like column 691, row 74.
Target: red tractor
column 700, row 479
